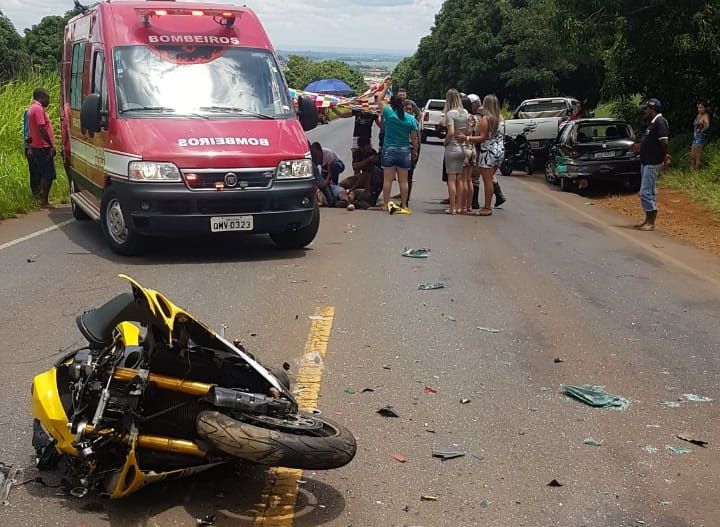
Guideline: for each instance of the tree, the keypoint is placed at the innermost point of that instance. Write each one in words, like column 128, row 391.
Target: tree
column 44, row 43
column 300, row 71
column 14, row 59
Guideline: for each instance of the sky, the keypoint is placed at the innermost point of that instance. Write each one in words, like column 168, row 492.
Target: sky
column 392, row 25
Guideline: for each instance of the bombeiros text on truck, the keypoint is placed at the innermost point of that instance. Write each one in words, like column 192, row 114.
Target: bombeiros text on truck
column 176, row 119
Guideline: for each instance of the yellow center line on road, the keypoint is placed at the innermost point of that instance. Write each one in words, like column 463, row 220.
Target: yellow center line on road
column 277, row 505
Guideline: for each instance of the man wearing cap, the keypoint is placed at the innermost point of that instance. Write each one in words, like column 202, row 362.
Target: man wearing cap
column 653, row 157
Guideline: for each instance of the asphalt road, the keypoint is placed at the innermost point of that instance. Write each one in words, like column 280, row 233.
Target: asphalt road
column 635, row 312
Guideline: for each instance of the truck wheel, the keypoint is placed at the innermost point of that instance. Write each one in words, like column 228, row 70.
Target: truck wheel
column 298, row 238
column 77, row 212
column 118, row 233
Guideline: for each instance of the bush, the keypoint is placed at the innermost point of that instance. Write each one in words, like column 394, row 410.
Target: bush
column 15, row 96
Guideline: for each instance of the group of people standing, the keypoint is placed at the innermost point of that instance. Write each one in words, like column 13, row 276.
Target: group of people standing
column 474, row 149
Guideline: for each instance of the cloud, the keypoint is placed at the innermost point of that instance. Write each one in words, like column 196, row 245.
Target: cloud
column 381, row 24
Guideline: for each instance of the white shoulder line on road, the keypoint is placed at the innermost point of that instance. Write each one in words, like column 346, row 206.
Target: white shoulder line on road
column 35, row 234
column 698, row 273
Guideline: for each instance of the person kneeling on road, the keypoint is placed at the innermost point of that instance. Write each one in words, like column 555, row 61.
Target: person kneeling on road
column 330, row 163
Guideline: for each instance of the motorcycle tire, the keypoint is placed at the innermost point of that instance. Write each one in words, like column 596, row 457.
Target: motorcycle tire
column 330, row 447
column 531, row 165
column 506, row 168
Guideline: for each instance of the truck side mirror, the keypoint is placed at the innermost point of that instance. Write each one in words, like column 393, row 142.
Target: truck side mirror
column 307, row 113
column 90, row 114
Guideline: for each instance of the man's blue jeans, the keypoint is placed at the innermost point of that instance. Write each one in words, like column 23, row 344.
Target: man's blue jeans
column 649, row 175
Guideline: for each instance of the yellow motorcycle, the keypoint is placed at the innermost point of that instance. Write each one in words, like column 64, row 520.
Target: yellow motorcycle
column 168, row 398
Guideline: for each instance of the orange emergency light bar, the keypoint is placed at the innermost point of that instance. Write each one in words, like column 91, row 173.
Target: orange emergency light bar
column 228, row 16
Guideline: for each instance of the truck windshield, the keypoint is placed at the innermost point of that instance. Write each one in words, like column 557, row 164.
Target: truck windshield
column 237, row 82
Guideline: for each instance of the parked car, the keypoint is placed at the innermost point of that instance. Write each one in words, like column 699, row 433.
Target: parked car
column 591, row 150
column 432, row 120
column 544, row 117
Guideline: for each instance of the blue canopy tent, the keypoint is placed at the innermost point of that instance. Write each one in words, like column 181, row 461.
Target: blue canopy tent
column 330, row 87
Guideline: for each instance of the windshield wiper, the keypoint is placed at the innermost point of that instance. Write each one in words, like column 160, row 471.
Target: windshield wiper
column 233, row 109
column 148, row 109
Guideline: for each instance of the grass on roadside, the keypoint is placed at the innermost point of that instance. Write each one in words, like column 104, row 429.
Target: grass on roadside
column 15, row 97
column 702, row 185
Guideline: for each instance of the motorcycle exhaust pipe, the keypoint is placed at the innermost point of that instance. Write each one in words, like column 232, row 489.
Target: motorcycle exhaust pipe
column 164, row 382
column 170, row 444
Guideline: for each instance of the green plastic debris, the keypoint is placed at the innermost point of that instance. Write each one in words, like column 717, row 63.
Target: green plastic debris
column 431, row 285
column 349, row 391
column 677, row 450
column 592, row 442
column 595, row 396
column 422, row 252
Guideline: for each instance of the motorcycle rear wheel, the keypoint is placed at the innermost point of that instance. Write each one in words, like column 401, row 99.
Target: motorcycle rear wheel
column 310, row 442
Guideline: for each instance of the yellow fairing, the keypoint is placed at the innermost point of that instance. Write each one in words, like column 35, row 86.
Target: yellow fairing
column 47, row 408
column 162, row 308
column 130, row 333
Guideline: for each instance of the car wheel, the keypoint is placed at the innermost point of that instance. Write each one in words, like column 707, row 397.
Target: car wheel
column 298, row 238
column 77, row 212
column 567, row 184
column 550, row 176
column 121, row 237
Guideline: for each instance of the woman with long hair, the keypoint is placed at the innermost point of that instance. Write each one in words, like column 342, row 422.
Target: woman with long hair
column 700, row 137
column 456, row 118
column 490, row 150
column 466, row 203
column 400, row 147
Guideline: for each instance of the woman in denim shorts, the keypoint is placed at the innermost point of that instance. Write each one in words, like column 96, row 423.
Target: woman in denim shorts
column 700, row 137
column 399, row 149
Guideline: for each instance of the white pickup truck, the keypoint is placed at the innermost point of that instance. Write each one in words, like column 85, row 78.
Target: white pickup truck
column 543, row 117
column 432, row 114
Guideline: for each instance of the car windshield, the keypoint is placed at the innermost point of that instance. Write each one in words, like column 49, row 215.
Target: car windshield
column 436, row 105
column 174, row 80
column 544, row 107
column 594, row 132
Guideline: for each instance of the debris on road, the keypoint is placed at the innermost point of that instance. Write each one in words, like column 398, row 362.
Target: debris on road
column 428, row 286
column 399, row 458
column 208, row 519
column 690, row 438
column 367, row 390
column 429, row 389
column 31, row 260
column 464, row 401
column 315, row 317
column 649, row 449
column 8, row 478
column 485, row 504
column 428, row 497
column 489, row 330
column 669, row 404
column 422, row 252
column 451, row 318
column 595, row 396
column 664, row 503
column 387, row 411
column 387, row 367
column 555, row 483
column 592, row 442
column 697, row 398
column 558, row 360
column 447, row 453
column 677, row 450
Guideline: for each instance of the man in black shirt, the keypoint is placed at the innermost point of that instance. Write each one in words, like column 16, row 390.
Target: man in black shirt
column 653, row 157
column 363, row 126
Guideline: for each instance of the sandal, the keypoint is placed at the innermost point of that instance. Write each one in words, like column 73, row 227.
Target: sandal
column 449, row 211
column 484, row 212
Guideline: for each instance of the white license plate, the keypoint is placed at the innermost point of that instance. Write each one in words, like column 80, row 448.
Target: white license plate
column 603, row 155
column 231, row 223
column 534, row 144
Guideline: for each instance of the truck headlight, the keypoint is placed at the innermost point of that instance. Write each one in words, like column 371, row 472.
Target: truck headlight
column 153, row 172
column 295, row 169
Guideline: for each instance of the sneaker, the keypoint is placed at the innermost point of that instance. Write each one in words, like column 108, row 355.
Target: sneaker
column 393, row 207
column 351, row 207
column 404, row 211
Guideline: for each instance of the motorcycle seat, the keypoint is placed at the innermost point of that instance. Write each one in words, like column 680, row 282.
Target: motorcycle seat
column 97, row 325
